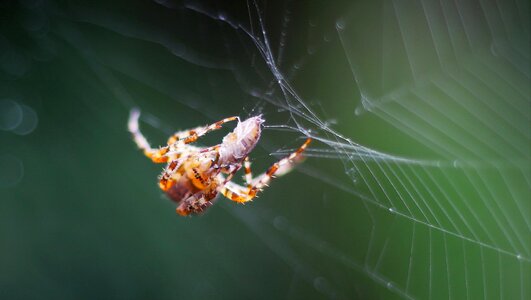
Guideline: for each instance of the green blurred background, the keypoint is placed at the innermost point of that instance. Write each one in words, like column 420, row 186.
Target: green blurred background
column 417, row 185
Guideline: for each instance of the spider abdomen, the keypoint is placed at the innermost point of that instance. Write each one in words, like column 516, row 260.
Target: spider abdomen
column 241, row 141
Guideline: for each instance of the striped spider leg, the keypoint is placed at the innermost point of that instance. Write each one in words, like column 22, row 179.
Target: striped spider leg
column 238, row 193
column 156, row 155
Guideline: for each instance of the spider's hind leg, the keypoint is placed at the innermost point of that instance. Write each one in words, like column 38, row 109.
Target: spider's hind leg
column 237, row 193
column 240, row 194
column 281, row 167
column 248, row 173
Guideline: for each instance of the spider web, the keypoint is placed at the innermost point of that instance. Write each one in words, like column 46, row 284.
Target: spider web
column 446, row 218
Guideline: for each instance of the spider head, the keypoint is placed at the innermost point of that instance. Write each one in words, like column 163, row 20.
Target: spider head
column 241, row 141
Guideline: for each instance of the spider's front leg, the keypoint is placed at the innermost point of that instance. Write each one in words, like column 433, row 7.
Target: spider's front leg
column 191, row 135
column 156, row 155
column 240, row 194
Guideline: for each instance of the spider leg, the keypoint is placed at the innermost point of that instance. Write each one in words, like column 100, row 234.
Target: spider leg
column 238, row 193
column 180, row 135
column 156, row 155
column 281, row 167
column 195, row 204
column 248, row 175
column 231, row 170
column 248, row 172
column 165, row 180
column 191, row 135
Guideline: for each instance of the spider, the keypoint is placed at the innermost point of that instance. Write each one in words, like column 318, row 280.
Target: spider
column 194, row 176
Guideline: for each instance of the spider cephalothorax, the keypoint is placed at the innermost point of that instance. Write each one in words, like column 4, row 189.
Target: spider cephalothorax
column 194, row 176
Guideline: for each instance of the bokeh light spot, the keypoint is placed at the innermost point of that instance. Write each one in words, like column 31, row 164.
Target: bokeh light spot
column 10, row 114
column 29, row 121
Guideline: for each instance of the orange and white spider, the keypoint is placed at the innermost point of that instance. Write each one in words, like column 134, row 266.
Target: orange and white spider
column 194, row 176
